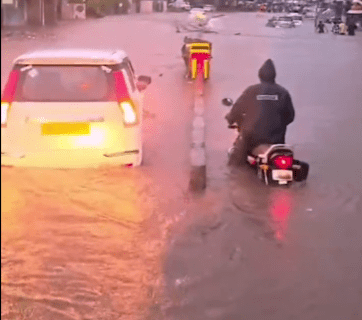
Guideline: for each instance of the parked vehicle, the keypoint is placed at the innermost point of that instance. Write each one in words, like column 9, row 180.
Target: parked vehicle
column 309, row 12
column 209, row 8
column 297, row 18
column 281, row 22
column 196, row 10
column 275, row 7
column 272, row 22
column 247, row 6
column 296, row 9
column 285, row 22
column 179, row 5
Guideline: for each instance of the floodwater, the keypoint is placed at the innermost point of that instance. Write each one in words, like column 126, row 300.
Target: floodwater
column 117, row 243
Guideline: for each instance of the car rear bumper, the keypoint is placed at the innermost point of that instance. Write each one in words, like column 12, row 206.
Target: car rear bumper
column 81, row 158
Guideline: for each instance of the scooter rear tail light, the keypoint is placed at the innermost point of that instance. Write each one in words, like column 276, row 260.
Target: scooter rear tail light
column 8, row 96
column 126, row 105
column 283, row 162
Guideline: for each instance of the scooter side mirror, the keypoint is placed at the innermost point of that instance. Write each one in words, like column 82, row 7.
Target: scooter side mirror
column 146, row 79
column 142, row 82
column 227, row 102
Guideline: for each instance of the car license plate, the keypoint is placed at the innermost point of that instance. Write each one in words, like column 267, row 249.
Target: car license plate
column 279, row 175
column 65, row 128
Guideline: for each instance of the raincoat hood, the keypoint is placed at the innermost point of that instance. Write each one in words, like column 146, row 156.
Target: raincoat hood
column 267, row 71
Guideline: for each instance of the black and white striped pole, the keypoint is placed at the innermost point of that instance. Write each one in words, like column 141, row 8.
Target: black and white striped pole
column 197, row 153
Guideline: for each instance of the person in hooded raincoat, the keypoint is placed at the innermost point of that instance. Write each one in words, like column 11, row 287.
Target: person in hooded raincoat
column 321, row 27
column 351, row 28
column 263, row 112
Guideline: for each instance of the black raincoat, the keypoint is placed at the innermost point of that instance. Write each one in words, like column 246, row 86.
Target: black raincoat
column 351, row 29
column 264, row 110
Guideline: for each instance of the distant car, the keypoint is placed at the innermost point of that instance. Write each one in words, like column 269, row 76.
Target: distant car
column 196, row 10
column 272, row 22
column 297, row 18
column 72, row 108
column 179, row 5
column 309, row 8
column 285, row 22
column 281, row 22
column 309, row 12
column 209, row 8
column 296, row 9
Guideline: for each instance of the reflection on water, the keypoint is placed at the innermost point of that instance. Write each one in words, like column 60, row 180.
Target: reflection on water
column 264, row 208
column 86, row 246
column 280, row 210
column 266, row 252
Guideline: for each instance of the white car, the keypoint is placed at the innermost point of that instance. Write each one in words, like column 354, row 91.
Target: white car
column 297, row 18
column 310, row 12
column 310, row 15
column 181, row 5
column 195, row 11
column 281, row 22
column 186, row 6
column 209, row 8
column 72, row 109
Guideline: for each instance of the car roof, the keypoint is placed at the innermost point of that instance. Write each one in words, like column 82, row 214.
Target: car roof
column 72, row 56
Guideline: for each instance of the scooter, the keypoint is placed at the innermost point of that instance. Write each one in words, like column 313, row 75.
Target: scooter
column 274, row 163
column 335, row 29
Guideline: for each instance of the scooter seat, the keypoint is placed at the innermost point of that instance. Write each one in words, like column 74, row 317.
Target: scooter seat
column 260, row 151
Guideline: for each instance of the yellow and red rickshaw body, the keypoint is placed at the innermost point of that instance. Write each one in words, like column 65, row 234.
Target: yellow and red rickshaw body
column 200, row 55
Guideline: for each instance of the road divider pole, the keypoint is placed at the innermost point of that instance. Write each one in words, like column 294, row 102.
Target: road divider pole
column 197, row 152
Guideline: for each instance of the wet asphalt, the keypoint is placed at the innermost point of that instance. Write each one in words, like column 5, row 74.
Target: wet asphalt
column 115, row 243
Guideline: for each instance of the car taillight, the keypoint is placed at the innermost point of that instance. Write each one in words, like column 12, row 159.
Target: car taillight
column 5, row 106
column 127, row 107
column 8, row 96
column 129, row 114
column 283, row 162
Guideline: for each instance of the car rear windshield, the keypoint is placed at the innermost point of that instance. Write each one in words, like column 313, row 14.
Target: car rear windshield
column 64, row 83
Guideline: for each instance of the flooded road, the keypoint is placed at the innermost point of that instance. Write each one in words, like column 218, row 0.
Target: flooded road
column 269, row 253
column 118, row 243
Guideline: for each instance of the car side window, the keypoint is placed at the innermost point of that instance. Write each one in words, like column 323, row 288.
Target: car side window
column 131, row 67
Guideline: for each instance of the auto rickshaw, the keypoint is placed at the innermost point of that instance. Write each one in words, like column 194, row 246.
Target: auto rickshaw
column 198, row 57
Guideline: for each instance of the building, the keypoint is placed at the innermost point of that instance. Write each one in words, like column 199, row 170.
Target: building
column 13, row 12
